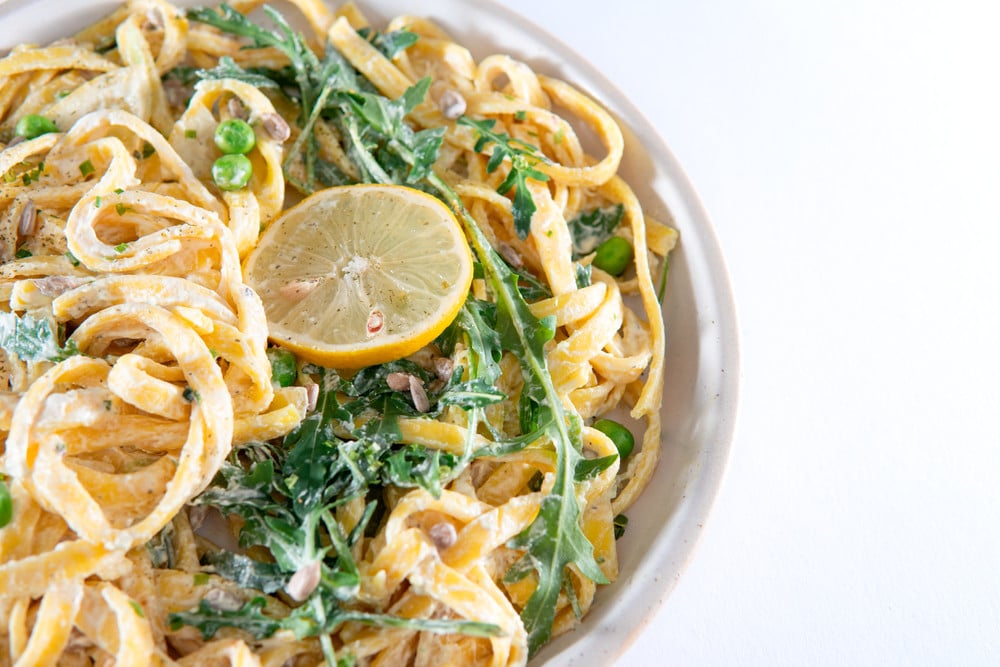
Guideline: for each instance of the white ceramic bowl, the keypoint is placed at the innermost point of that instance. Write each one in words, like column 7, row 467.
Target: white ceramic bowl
column 702, row 365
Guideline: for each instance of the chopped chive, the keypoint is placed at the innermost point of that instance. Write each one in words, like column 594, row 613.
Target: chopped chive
column 121, row 247
column 72, row 258
column 22, row 253
column 122, row 208
column 137, row 608
column 521, row 115
column 191, row 134
column 190, row 395
column 6, row 505
column 200, row 579
column 97, row 201
column 118, row 191
column 147, row 150
column 558, row 136
column 86, row 167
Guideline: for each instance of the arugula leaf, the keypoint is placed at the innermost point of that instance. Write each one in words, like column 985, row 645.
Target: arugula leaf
column 476, row 326
column 247, row 572
column 555, row 538
column 523, row 158
column 591, row 468
column 590, row 229
column 228, row 69
column 390, row 43
column 209, row 620
column 621, row 523
column 6, row 505
column 32, row 339
column 477, row 393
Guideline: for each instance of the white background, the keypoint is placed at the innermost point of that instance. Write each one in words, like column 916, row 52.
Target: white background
column 849, row 155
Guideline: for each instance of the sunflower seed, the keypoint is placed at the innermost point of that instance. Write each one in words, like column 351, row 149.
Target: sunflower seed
column 304, row 581
column 443, row 535
column 28, row 222
column 443, row 368
column 419, row 395
column 398, row 381
column 276, row 127
column 53, row 286
column 312, row 396
column 510, row 255
column 452, row 104
column 236, row 108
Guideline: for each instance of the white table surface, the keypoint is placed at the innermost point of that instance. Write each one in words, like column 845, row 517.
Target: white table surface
column 849, row 155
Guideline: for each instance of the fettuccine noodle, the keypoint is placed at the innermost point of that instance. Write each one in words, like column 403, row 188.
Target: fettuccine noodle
column 112, row 231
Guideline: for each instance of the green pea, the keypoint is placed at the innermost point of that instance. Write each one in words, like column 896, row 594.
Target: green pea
column 235, row 136
column 33, row 125
column 621, row 436
column 232, row 172
column 6, row 505
column 284, row 369
column 614, row 255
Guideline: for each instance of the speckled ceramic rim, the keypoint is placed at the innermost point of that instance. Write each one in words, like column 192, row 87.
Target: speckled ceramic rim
column 703, row 369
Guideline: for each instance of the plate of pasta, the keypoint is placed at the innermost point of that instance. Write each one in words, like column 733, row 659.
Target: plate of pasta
column 342, row 335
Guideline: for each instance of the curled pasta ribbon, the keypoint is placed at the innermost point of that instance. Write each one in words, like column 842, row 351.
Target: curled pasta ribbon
column 448, row 575
column 40, row 457
column 258, row 203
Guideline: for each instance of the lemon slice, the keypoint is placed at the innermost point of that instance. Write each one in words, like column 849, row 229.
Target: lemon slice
column 359, row 275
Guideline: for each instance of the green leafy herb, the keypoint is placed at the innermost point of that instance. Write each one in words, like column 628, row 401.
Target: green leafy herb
column 662, row 288
column 590, row 229
column 285, row 498
column 190, row 395
column 591, row 468
column 31, row 339
column 228, row 69
column 247, row 572
column 391, row 43
column 555, row 539
column 251, row 618
column 284, row 368
column 121, row 247
column 22, row 253
column 523, row 159
column 137, row 608
column 6, row 505
column 72, row 258
column 209, row 620
column 33, row 174
column 621, row 523
column 122, row 209
column 86, row 168
column 584, row 275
